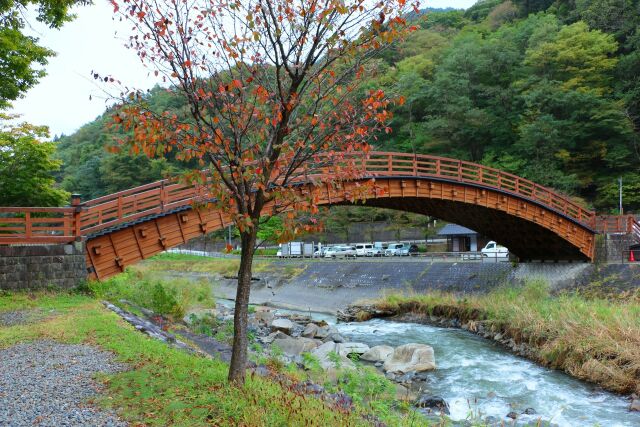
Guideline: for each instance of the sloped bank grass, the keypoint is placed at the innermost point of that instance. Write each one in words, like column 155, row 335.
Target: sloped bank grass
column 172, row 298
column 593, row 339
column 166, row 386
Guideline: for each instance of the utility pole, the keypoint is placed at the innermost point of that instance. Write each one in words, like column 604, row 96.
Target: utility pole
column 620, row 192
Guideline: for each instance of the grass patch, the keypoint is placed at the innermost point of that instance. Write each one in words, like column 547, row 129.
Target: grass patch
column 190, row 263
column 167, row 386
column 186, row 263
column 594, row 339
column 169, row 297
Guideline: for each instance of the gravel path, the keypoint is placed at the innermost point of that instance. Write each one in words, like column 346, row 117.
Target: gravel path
column 45, row 383
column 19, row 317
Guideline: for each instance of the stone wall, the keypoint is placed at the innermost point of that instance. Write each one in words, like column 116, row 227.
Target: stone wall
column 41, row 266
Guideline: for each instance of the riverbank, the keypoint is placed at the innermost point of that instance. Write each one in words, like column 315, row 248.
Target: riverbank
column 590, row 338
column 588, row 327
column 331, row 285
column 161, row 383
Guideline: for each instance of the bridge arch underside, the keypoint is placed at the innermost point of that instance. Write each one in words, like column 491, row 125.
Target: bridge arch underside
column 530, row 230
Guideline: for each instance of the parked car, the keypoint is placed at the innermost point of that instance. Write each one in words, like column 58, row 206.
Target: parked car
column 397, row 249
column 367, row 249
column 340, row 252
column 414, row 250
column 494, row 250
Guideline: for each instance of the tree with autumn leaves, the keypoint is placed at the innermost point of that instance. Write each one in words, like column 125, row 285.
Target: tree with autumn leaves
column 275, row 99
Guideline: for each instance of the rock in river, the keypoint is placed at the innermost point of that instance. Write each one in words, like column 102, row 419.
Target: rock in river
column 411, row 357
column 378, row 353
column 433, row 403
column 284, row 325
column 335, row 337
column 347, row 348
column 310, row 330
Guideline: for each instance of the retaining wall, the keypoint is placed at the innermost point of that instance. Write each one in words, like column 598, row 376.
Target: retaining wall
column 41, row 266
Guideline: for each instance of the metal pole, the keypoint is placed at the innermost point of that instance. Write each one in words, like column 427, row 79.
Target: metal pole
column 229, row 234
column 620, row 188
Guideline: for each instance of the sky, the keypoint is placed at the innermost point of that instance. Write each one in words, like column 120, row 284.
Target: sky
column 94, row 42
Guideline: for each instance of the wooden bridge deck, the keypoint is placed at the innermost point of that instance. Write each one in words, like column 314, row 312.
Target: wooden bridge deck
column 134, row 224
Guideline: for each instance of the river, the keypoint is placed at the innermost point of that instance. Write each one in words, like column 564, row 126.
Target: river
column 475, row 375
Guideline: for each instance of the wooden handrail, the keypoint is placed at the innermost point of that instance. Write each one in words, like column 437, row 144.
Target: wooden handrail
column 158, row 197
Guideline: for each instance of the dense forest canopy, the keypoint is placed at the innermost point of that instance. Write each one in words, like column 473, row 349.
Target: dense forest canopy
column 548, row 90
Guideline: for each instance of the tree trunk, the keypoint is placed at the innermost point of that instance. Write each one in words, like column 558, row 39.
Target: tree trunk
column 240, row 318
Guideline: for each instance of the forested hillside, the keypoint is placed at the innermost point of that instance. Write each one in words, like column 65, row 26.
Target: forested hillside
column 549, row 90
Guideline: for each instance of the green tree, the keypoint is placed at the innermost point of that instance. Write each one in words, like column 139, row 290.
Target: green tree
column 26, row 167
column 578, row 58
column 573, row 133
column 470, row 99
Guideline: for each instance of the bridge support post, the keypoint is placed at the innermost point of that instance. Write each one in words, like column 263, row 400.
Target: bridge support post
column 77, row 224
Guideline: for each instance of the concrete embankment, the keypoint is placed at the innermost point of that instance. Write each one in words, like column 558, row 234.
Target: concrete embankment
column 332, row 285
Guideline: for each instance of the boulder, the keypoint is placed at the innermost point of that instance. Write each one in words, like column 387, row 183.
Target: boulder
column 322, row 332
column 432, row 403
column 513, row 415
column 273, row 336
column 411, row 357
column 325, row 349
column 300, row 318
column 283, row 325
column 406, row 378
column 347, row 348
column 378, row 353
column 264, row 317
column 327, row 359
column 635, row 405
column 294, row 346
column 310, row 330
column 335, row 337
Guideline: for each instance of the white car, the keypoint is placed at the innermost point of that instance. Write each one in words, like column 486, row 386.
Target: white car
column 397, row 249
column 340, row 251
column 494, row 250
column 367, row 249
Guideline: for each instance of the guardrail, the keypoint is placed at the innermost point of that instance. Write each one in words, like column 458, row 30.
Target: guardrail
column 607, row 224
column 475, row 256
column 42, row 225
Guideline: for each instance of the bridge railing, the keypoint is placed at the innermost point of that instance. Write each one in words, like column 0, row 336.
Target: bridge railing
column 24, row 225
column 627, row 224
column 402, row 164
column 37, row 225
column 129, row 205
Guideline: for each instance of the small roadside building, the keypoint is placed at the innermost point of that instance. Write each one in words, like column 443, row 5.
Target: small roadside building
column 462, row 239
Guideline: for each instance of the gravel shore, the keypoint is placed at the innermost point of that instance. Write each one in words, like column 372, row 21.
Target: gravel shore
column 45, row 383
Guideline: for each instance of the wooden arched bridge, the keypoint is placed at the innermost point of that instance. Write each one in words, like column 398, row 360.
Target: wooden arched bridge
column 534, row 222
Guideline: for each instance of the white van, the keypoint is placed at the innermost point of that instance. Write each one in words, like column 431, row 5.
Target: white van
column 494, row 250
column 367, row 249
